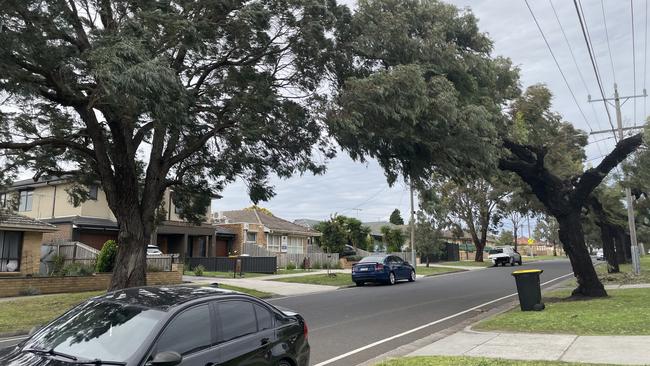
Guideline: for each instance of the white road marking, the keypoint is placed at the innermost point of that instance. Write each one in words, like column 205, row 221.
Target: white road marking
column 361, row 349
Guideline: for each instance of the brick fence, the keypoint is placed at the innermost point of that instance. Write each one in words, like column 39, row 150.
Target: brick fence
column 14, row 286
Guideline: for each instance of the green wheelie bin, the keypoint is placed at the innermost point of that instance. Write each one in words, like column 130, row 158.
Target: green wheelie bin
column 529, row 290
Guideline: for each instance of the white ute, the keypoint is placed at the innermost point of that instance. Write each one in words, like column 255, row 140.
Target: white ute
column 504, row 255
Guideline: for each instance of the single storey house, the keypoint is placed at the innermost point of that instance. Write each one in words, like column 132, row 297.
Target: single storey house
column 20, row 243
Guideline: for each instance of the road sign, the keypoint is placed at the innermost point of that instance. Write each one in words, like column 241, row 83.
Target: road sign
column 531, row 241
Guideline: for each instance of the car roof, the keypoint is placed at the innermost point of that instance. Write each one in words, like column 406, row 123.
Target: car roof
column 165, row 298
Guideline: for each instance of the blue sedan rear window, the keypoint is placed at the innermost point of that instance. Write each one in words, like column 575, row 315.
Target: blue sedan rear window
column 372, row 260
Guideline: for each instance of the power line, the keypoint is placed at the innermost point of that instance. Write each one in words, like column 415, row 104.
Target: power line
column 558, row 65
column 611, row 60
column 645, row 61
column 594, row 64
column 633, row 58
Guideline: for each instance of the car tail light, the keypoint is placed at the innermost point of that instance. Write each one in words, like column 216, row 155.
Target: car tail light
column 305, row 330
column 379, row 267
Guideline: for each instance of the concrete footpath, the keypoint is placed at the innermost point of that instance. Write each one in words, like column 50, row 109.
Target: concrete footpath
column 619, row 350
column 263, row 284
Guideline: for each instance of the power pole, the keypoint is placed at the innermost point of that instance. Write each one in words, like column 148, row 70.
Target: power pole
column 636, row 267
column 412, row 228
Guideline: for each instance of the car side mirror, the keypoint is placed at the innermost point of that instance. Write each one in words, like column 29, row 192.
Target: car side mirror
column 407, row 263
column 168, row 358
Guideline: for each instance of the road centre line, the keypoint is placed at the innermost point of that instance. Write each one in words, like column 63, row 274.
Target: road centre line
column 382, row 341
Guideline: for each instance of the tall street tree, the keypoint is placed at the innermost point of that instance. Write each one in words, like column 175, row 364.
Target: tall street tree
column 396, row 218
column 420, row 91
column 548, row 157
column 142, row 96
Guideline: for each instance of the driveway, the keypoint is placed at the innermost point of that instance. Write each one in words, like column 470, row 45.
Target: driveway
column 274, row 287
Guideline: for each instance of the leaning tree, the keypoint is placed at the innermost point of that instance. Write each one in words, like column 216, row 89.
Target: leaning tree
column 143, row 96
column 547, row 156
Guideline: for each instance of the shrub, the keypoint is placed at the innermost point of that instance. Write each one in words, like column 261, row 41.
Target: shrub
column 106, row 257
column 78, row 269
column 58, row 262
column 198, row 270
column 337, row 265
column 316, row 265
column 30, row 291
column 291, row 266
column 353, row 258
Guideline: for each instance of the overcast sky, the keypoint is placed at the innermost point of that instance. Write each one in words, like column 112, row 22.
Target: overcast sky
column 348, row 185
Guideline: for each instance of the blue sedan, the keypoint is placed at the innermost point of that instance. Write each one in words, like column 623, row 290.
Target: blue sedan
column 382, row 269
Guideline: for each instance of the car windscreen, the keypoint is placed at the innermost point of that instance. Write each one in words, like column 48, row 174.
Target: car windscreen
column 108, row 331
column 496, row 251
column 375, row 259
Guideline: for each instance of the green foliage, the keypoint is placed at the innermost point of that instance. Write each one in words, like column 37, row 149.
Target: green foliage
column 291, row 266
column 317, row 265
column 506, row 238
column 78, row 269
column 393, row 238
column 260, row 209
column 106, row 257
column 58, row 262
column 339, row 231
column 353, row 258
column 422, row 82
column 396, row 218
column 198, row 270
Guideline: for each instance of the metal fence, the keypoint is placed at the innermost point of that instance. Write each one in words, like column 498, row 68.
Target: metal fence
column 162, row 262
column 227, row 264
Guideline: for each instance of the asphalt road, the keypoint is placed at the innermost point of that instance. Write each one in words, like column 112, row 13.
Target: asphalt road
column 350, row 326
column 353, row 325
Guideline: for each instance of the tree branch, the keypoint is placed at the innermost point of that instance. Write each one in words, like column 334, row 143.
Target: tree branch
column 48, row 141
column 591, row 178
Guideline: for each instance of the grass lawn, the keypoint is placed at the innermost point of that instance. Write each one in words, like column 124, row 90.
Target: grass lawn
column 431, row 271
column 543, row 258
column 470, row 263
column 24, row 313
column 470, row 361
column 340, row 279
column 260, row 294
column 624, row 312
column 227, row 274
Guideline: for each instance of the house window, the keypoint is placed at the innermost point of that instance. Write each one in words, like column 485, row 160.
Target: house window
column 295, row 245
column 273, row 243
column 3, row 200
column 25, row 201
column 10, row 250
column 92, row 192
column 251, row 237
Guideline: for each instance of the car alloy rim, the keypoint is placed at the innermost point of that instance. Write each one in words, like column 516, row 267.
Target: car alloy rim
column 392, row 278
column 413, row 275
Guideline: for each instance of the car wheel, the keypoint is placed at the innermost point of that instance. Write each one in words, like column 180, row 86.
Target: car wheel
column 412, row 277
column 520, row 262
column 284, row 363
column 512, row 262
column 391, row 278
column 359, row 283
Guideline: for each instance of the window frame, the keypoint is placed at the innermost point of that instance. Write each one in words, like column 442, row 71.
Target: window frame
column 93, row 192
column 29, row 197
column 19, row 258
column 291, row 245
column 270, row 243
column 251, row 233
column 213, row 332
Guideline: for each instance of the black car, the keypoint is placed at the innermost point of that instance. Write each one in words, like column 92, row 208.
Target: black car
column 167, row 326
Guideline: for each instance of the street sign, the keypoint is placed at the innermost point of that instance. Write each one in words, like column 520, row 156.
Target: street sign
column 531, row 241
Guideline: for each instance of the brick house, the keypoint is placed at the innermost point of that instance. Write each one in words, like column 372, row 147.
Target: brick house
column 20, row 243
column 253, row 226
column 93, row 223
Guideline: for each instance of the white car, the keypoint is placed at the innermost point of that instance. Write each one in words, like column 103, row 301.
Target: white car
column 504, row 255
column 600, row 255
column 153, row 250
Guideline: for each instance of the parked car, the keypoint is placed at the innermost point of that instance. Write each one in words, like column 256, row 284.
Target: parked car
column 382, row 269
column 348, row 251
column 504, row 255
column 188, row 326
column 153, row 250
column 600, row 255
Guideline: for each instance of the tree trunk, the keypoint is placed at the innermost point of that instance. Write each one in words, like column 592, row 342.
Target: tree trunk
column 554, row 248
column 478, row 257
column 619, row 242
column 607, row 237
column 573, row 240
column 515, row 232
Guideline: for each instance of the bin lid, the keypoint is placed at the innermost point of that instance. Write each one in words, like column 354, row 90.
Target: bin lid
column 525, row 271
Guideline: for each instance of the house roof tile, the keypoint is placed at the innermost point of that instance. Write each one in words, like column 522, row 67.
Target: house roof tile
column 11, row 220
column 254, row 216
